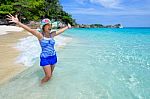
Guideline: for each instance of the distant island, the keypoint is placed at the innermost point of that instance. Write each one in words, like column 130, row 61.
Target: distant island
column 98, row 26
column 60, row 24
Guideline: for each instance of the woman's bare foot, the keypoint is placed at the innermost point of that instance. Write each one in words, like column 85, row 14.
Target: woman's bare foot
column 45, row 79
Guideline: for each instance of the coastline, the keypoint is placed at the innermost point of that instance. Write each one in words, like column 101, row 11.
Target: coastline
column 16, row 51
column 8, row 67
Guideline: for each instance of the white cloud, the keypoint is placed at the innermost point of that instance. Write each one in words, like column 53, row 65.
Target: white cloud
column 105, row 3
column 120, row 8
column 81, row 1
column 92, row 11
column 108, row 3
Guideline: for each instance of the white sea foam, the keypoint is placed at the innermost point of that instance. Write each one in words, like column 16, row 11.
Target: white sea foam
column 7, row 29
column 62, row 41
column 30, row 49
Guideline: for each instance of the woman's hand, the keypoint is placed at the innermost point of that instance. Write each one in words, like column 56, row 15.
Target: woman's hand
column 16, row 20
column 12, row 18
column 69, row 26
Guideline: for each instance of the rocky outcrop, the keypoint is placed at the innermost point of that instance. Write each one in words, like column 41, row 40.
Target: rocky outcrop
column 98, row 26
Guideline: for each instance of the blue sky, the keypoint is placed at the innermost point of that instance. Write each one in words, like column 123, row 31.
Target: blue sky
column 129, row 13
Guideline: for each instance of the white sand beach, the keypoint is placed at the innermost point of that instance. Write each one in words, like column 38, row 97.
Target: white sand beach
column 9, row 36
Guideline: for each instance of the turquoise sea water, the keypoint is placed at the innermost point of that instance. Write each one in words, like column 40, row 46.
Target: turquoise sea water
column 96, row 64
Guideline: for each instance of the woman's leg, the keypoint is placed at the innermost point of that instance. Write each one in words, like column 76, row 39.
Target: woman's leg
column 54, row 61
column 48, row 73
column 52, row 68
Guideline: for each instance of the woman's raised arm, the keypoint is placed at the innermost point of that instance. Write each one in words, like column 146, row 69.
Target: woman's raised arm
column 63, row 29
column 16, row 20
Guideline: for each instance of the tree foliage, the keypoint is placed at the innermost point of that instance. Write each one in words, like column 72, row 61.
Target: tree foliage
column 35, row 10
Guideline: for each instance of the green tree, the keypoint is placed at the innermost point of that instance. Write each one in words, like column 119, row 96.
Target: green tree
column 35, row 9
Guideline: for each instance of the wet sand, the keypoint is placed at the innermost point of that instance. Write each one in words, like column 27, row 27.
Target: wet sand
column 8, row 55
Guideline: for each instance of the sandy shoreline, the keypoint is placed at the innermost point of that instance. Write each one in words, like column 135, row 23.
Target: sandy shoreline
column 8, row 54
column 14, row 44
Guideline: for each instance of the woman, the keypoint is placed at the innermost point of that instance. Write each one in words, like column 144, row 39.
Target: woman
column 48, row 57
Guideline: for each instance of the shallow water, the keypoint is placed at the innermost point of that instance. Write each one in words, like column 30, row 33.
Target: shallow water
column 96, row 64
